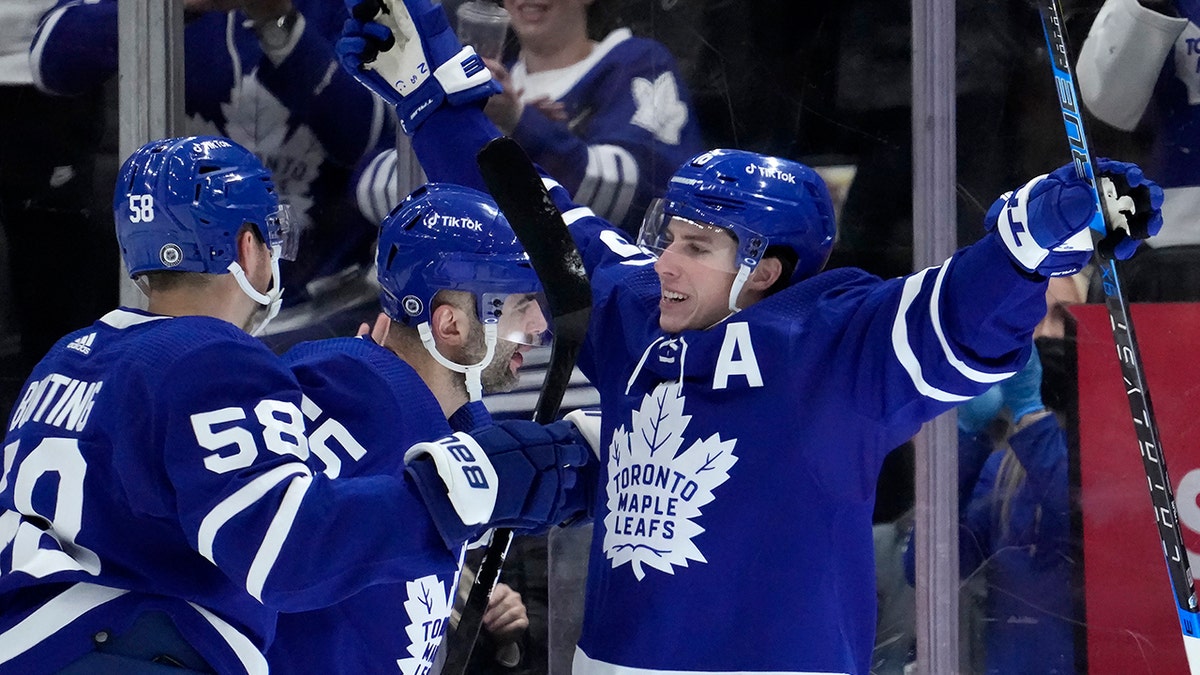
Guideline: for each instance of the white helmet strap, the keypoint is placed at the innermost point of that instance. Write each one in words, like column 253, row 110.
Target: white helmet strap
column 739, row 281
column 271, row 300
column 473, row 372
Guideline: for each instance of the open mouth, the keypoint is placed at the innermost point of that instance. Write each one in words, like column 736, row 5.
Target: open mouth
column 531, row 11
column 672, row 296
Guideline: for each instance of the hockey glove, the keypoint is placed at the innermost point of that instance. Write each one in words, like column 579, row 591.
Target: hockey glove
column 406, row 52
column 1023, row 391
column 587, row 426
column 1045, row 223
column 516, row 474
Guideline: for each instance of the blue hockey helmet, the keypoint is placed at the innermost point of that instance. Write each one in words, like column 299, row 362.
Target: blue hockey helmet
column 179, row 203
column 449, row 237
column 763, row 201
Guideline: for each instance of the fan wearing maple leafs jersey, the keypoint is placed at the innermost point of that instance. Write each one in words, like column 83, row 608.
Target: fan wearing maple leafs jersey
column 748, row 400
column 273, row 86
column 611, row 119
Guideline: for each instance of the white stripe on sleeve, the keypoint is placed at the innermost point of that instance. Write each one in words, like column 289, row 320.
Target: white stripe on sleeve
column 277, row 533
column 241, row 500
column 39, row 46
column 376, row 191
column 902, row 348
column 959, row 365
column 611, row 179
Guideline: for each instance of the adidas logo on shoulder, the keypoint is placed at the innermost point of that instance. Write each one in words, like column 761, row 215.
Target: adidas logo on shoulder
column 83, row 345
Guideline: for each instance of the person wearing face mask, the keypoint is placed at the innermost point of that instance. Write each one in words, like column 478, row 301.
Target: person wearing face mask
column 1015, row 525
column 168, row 486
column 747, row 398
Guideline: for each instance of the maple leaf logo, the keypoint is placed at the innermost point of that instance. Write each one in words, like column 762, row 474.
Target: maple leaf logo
column 655, row 491
column 257, row 120
column 659, row 109
column 428, row 609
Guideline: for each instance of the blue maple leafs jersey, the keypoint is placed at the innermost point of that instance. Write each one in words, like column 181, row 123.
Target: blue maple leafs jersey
column 386, row 628
column 161, row 463
column 308, row 120
column 737, row 483
column 629, row 125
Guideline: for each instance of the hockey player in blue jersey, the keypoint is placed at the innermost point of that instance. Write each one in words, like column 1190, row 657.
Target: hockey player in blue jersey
column 460, row 308
column 261, row 72
column 748, row 400
column 1015, row 527
column 156, row 507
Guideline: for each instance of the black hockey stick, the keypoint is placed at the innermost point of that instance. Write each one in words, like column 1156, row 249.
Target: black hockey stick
column 522, row 197
column 1161, row 493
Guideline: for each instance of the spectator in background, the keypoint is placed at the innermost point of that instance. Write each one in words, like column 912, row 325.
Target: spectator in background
column 1138, row 68
column 63, row 268
column 749, row 65
column 262, row 72
column 611, row 119
column 1014, row 506
column 513, row 637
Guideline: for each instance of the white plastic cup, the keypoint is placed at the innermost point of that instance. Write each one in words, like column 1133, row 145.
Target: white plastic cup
column 483, row 25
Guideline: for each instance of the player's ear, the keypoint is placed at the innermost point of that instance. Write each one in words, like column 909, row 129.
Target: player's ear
column 765, row 274
column 253, row 256
column 449, row 324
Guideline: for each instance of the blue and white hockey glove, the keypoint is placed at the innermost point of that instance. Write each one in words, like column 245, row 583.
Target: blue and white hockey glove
column 587, row 427
column 515, row 474
column 406, row 52
column 1045, row 223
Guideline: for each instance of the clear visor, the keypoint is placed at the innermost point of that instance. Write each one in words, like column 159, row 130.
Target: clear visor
column 284, row 232
column 665, row 235
column 522, row 318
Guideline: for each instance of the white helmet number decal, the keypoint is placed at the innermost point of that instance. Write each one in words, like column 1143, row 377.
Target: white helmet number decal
column 141, row 208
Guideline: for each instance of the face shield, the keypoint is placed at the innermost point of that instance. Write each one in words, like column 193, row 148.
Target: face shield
column 721, row 249
column 283, row 240
column 709, row 245
column 522, row 318
column 283, row 233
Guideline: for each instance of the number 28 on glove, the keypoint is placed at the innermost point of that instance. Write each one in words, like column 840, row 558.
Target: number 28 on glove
column 470, row 479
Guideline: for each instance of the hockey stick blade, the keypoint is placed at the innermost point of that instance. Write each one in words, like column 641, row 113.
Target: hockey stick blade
column 518, row 190
column 1130, row 358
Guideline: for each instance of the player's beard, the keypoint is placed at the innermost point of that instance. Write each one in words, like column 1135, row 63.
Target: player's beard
column 497, row 375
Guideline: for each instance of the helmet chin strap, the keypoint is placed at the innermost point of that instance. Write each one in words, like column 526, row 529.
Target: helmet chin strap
column 474, row 372
column 271, row 300
column 735, row 290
